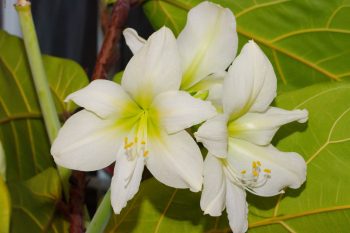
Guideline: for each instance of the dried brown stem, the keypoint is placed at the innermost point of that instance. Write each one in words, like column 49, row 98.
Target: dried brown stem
column 108, row 51
column 76, row 202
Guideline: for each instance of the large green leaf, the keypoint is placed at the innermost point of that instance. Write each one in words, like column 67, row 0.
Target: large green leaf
column 307, row 41
column 21, row 127
column 41, row 193
column 23, row 134
column 321, row 205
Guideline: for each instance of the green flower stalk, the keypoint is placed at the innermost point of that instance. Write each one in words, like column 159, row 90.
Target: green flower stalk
column 40, row 81
column 102, row 215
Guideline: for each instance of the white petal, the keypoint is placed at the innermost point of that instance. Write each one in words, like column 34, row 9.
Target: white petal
column 208, row 43
column 259, row 128
column 126, row 180
column 178, row 110
column 214, row 187
column 86, row 142
column 213, row 135
column 214, row 85
column 215, row 95
column 237, row 208
column 133, row 40
column 288, row 169
column 104, row 98
column 250, row 84
column 155, row 68
column 176, row 161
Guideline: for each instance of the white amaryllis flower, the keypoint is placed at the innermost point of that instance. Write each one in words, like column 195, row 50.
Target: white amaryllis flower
column 207, row 45
column 140, row 122
column 240, row 156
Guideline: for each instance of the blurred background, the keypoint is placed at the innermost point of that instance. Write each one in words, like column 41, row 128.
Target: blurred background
column 72, row 28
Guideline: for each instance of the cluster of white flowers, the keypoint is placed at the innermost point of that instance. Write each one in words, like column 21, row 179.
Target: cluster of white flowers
column 170, row 85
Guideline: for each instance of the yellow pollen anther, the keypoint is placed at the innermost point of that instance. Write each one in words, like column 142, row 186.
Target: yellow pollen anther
column 129, row 145
column 259, row 164
column 255, row 173
column 267, row 171
column 254, row 165
column 145, row 154
column 243, row 172
column 143, row 142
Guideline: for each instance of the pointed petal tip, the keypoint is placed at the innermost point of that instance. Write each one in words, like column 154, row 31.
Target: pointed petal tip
column 69, row 97
column 133, row 40
column 166, row 30
column 116, row 208
column 304, row 116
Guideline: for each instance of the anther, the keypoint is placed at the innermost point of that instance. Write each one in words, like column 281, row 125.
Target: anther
column 129, row 145
column 243, row 172
column 254, row 165
column 267, row 171
column 145, row 153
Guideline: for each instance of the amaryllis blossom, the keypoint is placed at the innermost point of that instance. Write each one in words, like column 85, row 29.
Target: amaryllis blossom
column 140, row 122
column 240, row 156
column 207, row 45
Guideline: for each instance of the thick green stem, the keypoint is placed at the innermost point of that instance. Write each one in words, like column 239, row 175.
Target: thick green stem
column 102, row 215
column 46, row 102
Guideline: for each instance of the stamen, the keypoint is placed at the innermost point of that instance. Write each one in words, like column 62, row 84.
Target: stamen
column 247, row 181
column 129, row 145
column 267, row 171
column 254, row 164
column 135, row 148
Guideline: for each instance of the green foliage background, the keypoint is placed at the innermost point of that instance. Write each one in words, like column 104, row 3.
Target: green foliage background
column 32, row 181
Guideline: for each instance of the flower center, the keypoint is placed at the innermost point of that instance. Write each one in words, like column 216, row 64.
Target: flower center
column 257, row 177
column 137, row 146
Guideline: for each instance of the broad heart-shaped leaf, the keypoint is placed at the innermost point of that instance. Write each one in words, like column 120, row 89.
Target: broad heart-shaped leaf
column 307, row 41
column 41, row 193
column 322, row 204
column 22, row 130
